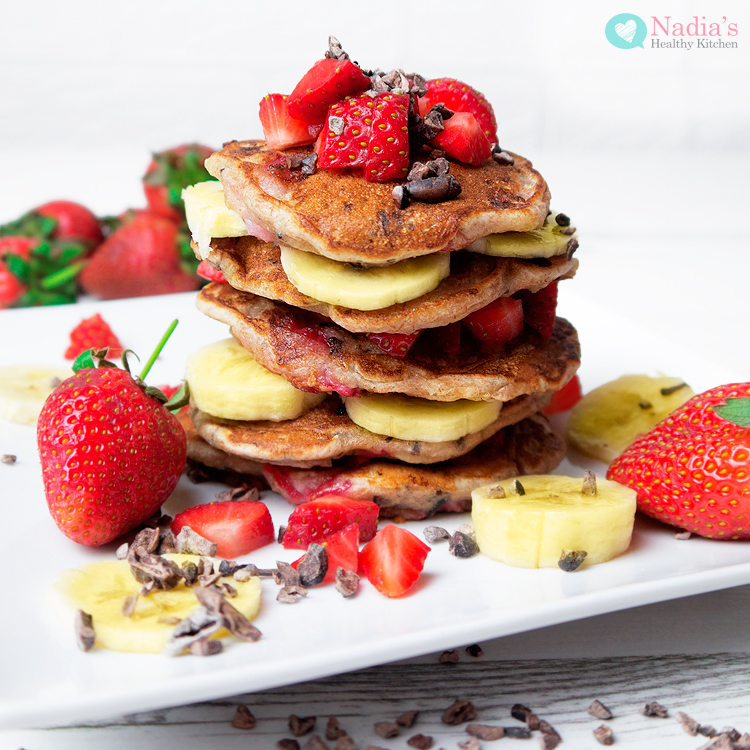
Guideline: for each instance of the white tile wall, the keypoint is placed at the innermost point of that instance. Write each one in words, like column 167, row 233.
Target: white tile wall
column 150, row 73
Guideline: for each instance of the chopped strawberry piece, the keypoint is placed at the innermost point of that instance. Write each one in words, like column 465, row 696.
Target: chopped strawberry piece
column 395, row 344
column 388, row 148
column 463, row 139
column 539, row 308
column 566, row 398
column 93, row 333
column 318, row 519
column 207, row 271
column 327, row 82
column 497, row 323
column 343, row 551
column 460, row 97
column 238, row 526
column 280, row 129
column 348, row 148
column 11, row 287
column 393, row 560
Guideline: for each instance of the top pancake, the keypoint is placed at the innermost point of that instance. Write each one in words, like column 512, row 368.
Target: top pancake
column 338, row 214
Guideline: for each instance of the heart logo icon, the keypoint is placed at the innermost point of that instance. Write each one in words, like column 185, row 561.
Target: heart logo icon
column 626, row 31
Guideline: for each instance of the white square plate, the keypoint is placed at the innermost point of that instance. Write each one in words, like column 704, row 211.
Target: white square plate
column 46, row 680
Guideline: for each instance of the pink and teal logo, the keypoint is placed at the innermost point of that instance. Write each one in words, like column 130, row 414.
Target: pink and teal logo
column 626, row 31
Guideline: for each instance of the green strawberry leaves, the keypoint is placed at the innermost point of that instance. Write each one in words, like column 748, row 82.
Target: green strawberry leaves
column 31, row 224
column 736, row 411
column 176, row 171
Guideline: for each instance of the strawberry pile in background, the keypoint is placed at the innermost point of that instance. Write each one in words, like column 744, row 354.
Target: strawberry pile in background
column 59, row 250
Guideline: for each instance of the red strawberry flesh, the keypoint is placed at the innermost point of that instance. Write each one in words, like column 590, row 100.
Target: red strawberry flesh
column 238, row 527
column 280, row 129
column 393, row 560
column 460, row 97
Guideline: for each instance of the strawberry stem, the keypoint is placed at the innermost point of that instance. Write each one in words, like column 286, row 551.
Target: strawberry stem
column 60, row 277
column 147, row 367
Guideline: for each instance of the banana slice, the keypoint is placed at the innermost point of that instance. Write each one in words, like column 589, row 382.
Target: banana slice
column 555, row 514
column 408, row 418
column 101, row 588
column 358, row 288
column 551, row 239
column 24, row 389
column 208, row 216
column 226, row 381
column 609, row 418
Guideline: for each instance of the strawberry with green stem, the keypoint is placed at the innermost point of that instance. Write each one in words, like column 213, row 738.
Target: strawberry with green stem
column 693, row 469
column 111, row 450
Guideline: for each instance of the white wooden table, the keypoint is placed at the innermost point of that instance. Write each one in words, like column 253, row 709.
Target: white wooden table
column 661, row 246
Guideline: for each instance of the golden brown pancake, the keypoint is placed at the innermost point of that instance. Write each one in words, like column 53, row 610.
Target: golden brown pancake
column 417, row 491
column 251, row 265
column 326, row 433
column 316, row 355
column 338, row 214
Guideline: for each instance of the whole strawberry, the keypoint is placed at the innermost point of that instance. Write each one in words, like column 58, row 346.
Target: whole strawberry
column 141, row 257
column 693, row 469
column 110, row 451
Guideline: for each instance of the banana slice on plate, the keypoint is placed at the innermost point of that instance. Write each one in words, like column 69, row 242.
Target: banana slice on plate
column 208, row 215
column 100, row 589
column 408, row 418
column 25, row 388
column 357, row 288
column 531, row 521
column 226, row 381
column 609, row 418
column 551, row 239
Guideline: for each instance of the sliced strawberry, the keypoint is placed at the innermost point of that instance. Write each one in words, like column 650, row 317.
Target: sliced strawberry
column 460, row 97
column 343, row 551
column 93, row 333
column 207, row 271
column 539, row 308
column 318, row 519
column 497, row 323
column 566, row 398
column 388, row 148
column 280, row 129
column 393, row 560
column 238, row 526
column 327, row 82
column 348, row 148
column 463, row 139
column 395, row 344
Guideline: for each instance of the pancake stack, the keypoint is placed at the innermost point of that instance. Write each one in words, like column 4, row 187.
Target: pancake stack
column 421, row 353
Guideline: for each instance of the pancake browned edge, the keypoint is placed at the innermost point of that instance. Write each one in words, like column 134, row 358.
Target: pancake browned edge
column 412, row 491
column 338, row 214
column 251, row 265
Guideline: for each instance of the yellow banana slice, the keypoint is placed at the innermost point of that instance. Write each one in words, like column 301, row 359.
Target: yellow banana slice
column 101, row 588
column 609, row 418
column 358, row 288
column 25, row 388
column 551, row 239
column 227, row 382
column 208, row 216
column 532, row 530
column 408, row 418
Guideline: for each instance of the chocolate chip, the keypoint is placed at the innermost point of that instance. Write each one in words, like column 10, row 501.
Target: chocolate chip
column 309, row 164
column 462, row 545
column 347, row 582
column 243, row 719
column 335, row 50
column 459, row 712
column 188, row 542
column 571, row 247
column 128, row 606
column 599, row 711
column 673, row 389
column 654, row 709
column 571, row 560
column 333, row 730
column 286, row 574
column 206, row 647
column 503, row 158
column 313, row 566
column 291, row 594
column 400, row 197
column 435, row 189
column 84, row 629
column 604, row 735
column 301, row 726
column 407, row 719
column 562, row 220
column 434, row 534
column 474, row 650
column 449, row 657
column 420, row 741
column 519, row 733
column 8, row 458
column 386, row 729
column 485, row 732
